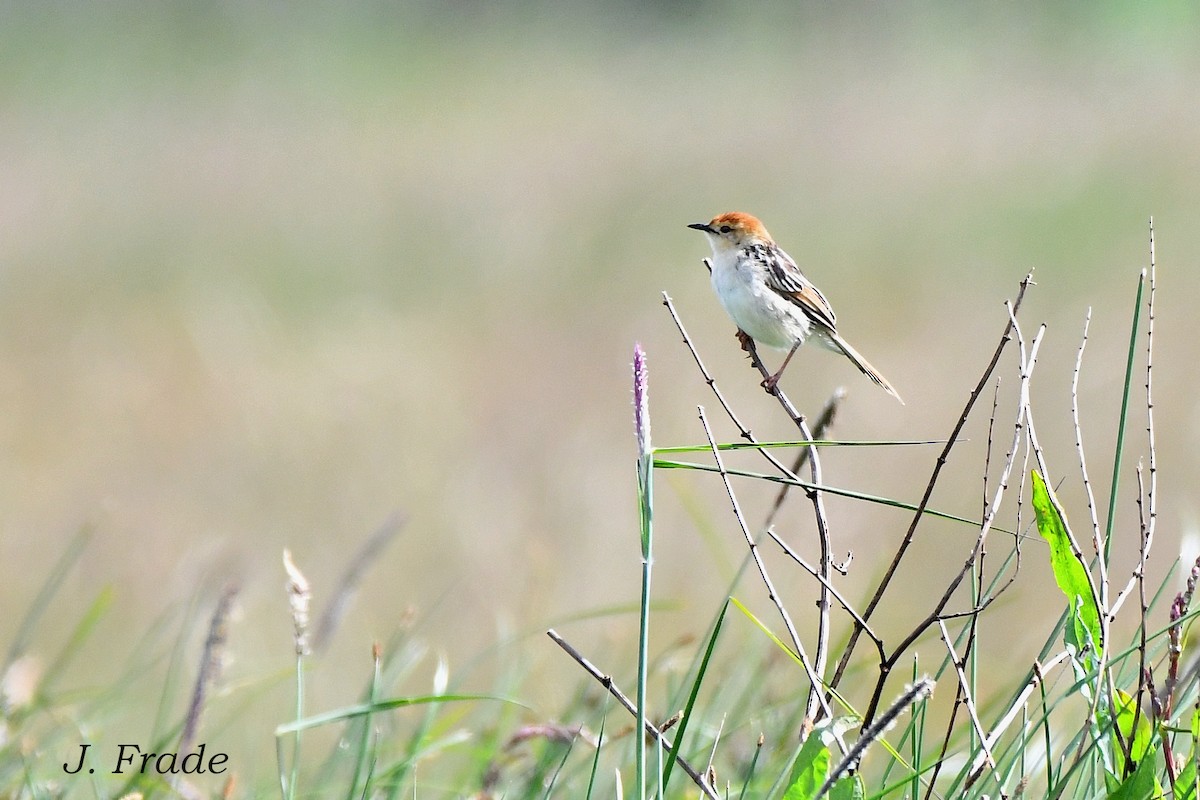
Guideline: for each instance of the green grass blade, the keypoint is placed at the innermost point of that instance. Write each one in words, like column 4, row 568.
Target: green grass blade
column 1120, row 446
column 691, row 701
column 41, row 602
column 834, row 490
column 750, row 770
column 595, row 770
column 365, row 749
column 360, row 709
column 83, row 629
column 703, row 448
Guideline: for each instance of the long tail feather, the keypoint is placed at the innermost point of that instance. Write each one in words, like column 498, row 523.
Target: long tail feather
column 864, row 365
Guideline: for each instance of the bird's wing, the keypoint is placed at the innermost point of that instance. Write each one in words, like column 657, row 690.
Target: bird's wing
column 786, row 278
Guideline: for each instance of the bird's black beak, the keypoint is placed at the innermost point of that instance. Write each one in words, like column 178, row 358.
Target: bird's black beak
column 702, row 226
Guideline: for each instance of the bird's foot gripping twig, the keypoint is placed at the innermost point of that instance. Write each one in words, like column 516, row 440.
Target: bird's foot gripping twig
column 745, row 341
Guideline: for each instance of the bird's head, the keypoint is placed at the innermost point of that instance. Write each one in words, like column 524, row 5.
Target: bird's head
column 733, row 230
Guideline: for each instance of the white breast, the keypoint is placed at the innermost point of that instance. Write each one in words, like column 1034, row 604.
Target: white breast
column 756, row 308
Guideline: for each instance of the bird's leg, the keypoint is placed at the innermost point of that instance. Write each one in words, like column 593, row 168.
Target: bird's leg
column 744, row 339
column 770, row 383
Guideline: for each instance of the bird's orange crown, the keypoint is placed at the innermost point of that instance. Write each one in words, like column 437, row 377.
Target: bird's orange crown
column 742, row 225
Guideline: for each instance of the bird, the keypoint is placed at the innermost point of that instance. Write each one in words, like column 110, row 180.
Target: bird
column 769, row 298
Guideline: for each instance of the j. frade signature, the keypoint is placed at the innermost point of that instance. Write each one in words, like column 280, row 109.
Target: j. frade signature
column 131, row 758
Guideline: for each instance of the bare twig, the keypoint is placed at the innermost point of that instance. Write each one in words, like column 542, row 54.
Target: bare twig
column 987, row 455
column 1027, row 364
column 811, row 570
column 1140, row 572
column 1036, row 676
column 943, row 457
column 1096, row 592
column 798, row 647
column 709, row 769
column 607, row 682
column 814, row 669
column 1097, row 536
column 961, row 696
column 1152, row 491
column 816, row 697
column 743, row 431
column 1039, row 457
column 980, row 602
column 819, row 430
column 1147, row 513
column 774, row 390
column 965, row 688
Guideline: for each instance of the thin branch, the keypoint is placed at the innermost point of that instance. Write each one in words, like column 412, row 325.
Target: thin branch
column 1096, row 593
column 1027, row 365
column 1039, row 457
column 792, row 554
column 756, row 361
column 798, row 647
column 1037, row 675
column 816, row 696
column 607, row 682
column 965, row 687
column 961, row 695
column 819, row 430
column 1097, row 536
column 987, row 455
column 744, row 432
column 815, row 693
column 1140, row 571
column 943, row 457
column 1152, row 491
column 1148, row 513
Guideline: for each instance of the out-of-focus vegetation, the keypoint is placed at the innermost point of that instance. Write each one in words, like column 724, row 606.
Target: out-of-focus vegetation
column 269, row 273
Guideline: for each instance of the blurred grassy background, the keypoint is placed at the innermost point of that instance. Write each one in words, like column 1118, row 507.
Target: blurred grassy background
column 269, row 272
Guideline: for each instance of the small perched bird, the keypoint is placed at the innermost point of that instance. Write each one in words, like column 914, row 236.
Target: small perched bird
column 768, row 297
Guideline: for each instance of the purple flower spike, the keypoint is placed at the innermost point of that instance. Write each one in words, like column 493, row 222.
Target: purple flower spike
column 641, row 400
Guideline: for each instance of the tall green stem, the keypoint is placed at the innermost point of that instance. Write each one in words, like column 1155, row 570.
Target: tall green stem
column 1116, row 473
column 645, row 468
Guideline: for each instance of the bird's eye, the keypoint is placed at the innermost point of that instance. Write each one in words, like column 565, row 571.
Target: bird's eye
column 725, row 229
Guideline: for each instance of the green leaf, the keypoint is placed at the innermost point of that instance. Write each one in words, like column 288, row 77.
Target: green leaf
column 1186, row 785
column 1140, row 740
column 1069, row 572
column 701, row 671
column 1142, row 784
column 809, row 769
column 812, row 764
column 850, row 788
